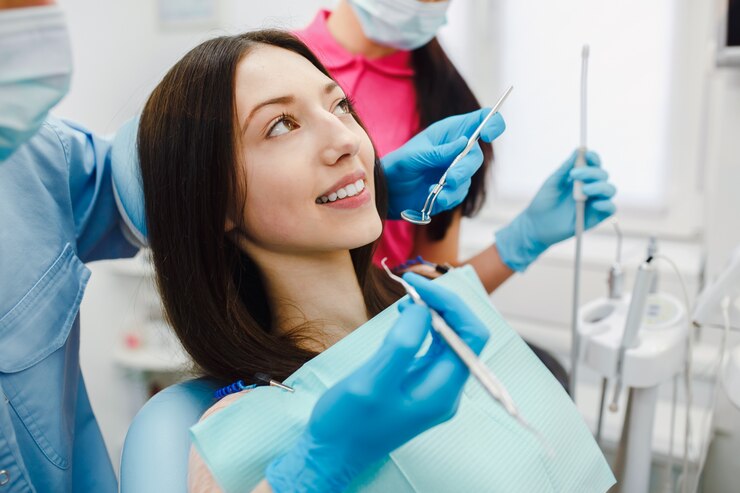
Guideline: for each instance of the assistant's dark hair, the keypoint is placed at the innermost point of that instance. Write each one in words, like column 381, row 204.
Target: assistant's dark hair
column 441, row 92
column 212, row 292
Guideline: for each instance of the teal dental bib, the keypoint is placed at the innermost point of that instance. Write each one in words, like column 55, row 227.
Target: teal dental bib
column 481, row 449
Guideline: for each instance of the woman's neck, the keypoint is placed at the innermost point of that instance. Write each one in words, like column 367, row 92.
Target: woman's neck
column 345, row 28
column 321, row 290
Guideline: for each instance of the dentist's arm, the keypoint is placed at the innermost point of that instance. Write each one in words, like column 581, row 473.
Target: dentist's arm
column 19, row 4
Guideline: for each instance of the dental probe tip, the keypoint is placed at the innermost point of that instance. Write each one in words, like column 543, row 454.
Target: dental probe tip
column 584, row 51
column 281, row 386
column 266, row 380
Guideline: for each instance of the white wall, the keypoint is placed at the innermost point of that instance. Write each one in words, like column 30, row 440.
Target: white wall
column 121, row 50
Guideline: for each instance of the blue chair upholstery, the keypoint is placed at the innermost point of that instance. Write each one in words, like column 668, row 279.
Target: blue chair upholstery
column 155, row 453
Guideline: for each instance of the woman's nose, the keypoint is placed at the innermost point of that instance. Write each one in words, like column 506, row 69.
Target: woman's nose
column 339, row 141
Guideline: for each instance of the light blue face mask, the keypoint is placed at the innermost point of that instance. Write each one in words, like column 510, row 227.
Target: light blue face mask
column 36, row 63
column 480, row 449
column 402, row 24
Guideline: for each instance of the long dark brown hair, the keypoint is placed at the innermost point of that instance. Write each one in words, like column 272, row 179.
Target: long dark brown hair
column 212, row 292
column 441, row 92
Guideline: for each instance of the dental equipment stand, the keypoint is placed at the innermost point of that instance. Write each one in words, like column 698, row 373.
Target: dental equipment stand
column 639, row 340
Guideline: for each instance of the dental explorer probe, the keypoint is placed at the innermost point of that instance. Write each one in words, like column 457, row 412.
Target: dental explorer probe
column 424, row 216
column 477, row 368
column 580, row 200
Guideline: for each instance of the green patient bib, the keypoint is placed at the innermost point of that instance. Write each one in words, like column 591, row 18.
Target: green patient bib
column 481, row 449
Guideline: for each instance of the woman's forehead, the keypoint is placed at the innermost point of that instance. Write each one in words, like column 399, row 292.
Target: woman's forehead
column 269, row 70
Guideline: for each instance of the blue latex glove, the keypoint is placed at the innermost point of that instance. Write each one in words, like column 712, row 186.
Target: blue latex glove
column 414, row 169
column 386, row 402
column 550, row 217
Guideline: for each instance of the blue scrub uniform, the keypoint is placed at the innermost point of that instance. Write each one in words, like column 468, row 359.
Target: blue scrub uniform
column 57, row 211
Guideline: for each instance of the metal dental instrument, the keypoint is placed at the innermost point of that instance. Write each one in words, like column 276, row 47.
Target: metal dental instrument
column 265, row 379
column 580, row 200
column 635, row 316
column 477, row 368
column 239, row 385
column 425, row 215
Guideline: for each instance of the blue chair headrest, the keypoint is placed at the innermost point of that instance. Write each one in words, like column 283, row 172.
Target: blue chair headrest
column 127, row 185
column 156, row 451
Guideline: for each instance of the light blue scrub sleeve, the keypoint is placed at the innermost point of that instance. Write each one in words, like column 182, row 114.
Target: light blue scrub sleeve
column 480, row 449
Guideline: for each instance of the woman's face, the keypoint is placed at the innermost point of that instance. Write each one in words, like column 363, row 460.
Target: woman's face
column 306, row 162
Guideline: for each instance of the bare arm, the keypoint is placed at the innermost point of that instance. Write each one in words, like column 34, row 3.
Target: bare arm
column 200, row 479
column 487, row 263
column 17, row 4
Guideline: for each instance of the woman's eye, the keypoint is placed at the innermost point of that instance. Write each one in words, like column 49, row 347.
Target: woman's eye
column 343, row 107
column 284, row 125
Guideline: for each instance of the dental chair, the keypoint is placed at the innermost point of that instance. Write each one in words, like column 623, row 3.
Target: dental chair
column 155, row 453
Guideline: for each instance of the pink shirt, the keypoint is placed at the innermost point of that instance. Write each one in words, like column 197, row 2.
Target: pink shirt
column 385, row 98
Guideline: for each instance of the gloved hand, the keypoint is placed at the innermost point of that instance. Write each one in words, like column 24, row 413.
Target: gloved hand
column 550, row 217
column 413, row 170
column 386, row 402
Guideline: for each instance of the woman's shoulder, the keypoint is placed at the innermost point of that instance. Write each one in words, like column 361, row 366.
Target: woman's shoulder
column 200, row 478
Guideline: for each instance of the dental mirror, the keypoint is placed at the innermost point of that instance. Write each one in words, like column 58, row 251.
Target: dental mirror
column 416, row 217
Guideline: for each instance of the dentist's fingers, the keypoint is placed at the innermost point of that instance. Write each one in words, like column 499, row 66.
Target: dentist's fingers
column 465, row 168
column 597, row 211
column 603, row 207
column 588, row 174
column 454, row 311
column 398, row 350
column 599, row 189
column 593, row 158
column 441, row 156
column 494, row 127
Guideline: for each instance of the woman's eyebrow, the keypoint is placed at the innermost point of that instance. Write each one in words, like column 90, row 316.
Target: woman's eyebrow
column 330, row 87
column 277, row 100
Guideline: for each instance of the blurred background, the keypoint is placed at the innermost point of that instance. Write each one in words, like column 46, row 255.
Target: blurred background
column 664, row 114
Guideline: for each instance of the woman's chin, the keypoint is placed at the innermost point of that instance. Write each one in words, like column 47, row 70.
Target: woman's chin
column 364, row 238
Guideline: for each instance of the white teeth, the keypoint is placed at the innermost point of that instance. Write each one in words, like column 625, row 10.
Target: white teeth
column 348, row 191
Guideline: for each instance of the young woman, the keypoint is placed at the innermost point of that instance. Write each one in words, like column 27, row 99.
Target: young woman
column 264, row 201
column 240, row 147
column 386, row 55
